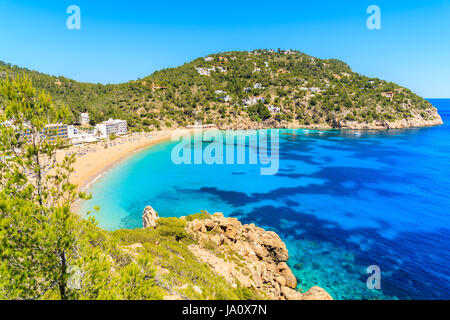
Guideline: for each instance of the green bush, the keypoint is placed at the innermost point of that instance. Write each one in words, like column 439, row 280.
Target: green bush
column 200, row 216
column 172, row 228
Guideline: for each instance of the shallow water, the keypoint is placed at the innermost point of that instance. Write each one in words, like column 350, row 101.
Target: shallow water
column 342, row 200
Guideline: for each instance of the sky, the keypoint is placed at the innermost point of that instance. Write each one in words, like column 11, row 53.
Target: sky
column 121, row 41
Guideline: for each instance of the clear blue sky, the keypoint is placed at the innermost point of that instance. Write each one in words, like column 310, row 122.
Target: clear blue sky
column 124, row 40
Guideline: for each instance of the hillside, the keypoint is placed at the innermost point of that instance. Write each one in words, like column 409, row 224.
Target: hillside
column 177, row 259
column 242, row 90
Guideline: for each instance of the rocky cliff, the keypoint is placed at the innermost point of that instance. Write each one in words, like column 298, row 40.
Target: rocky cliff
column 244, row 255
column 415, row 121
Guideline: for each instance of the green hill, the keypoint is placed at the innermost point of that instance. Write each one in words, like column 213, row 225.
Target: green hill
column 241, row 90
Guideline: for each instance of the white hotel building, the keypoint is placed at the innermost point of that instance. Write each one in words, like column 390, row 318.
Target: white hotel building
column 106, row 128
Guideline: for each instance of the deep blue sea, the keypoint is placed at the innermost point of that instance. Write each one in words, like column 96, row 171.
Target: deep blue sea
column 342, row 201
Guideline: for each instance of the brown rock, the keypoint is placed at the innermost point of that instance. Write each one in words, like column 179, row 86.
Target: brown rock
column 209, row 224
column 149, row 218
column 249, row 255
column 291, row 280
column 316, row 293
column 197, row 225
column 291, row 294
column 282, row 266
column 276, row 247
column 281, row 280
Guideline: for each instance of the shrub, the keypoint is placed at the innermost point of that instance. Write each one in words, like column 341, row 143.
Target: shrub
column 199, row 216
column 172, row 228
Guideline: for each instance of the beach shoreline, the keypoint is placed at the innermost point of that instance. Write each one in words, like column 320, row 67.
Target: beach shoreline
column 88, row 168
column 93, row 160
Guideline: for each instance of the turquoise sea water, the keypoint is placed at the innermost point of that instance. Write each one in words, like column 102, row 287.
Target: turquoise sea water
column 342, row 200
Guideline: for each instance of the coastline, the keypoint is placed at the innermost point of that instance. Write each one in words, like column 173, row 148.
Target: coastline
column 94, row 160
column 88, row 166
column 415, row 122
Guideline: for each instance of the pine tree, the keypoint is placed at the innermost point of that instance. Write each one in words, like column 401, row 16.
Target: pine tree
column 37, row 229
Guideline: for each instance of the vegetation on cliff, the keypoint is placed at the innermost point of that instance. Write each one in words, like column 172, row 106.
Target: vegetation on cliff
column 243, row 89
column 48, row 252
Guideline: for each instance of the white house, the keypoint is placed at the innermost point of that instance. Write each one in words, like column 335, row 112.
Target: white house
column 71, row 131
column 205, row 71
column 6, row 123
column 274, row 109
column 84, row 118
column 252, row 101
column 221, row 69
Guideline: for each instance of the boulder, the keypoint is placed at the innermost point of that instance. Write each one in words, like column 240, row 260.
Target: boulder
column 281, row 280
column 209, row 224
column 249, row 255
column 291, row 294
column 286, row 273
column 275, row 246
column 149, row 218
column 291, row 280
column 316, row 293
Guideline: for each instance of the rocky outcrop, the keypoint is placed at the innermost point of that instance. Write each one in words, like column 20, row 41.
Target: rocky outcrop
column 247, row 255
column 427, row 118
column 316, row 293
column 149, row 218
column 416, row 121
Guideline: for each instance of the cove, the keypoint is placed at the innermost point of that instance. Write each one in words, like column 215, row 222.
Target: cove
column 341, row 201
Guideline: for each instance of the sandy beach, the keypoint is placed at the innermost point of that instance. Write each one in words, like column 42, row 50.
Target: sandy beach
column 94, row 159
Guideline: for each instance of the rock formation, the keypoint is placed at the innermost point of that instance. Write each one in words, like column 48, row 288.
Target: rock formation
column 149, row 218
column 248, row 255
column 316, row 293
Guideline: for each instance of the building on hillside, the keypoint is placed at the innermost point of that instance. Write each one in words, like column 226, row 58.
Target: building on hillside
column 274, row 109
column 205, row 71
column 112, row 126
column 388, row 94
column 6, row 123
column 314, row 89
column 84, row 118
column 252, row 101
column 222, row 69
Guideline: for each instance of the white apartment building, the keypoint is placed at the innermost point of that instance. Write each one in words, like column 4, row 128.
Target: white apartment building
column 79, row 136
column 112, row 126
